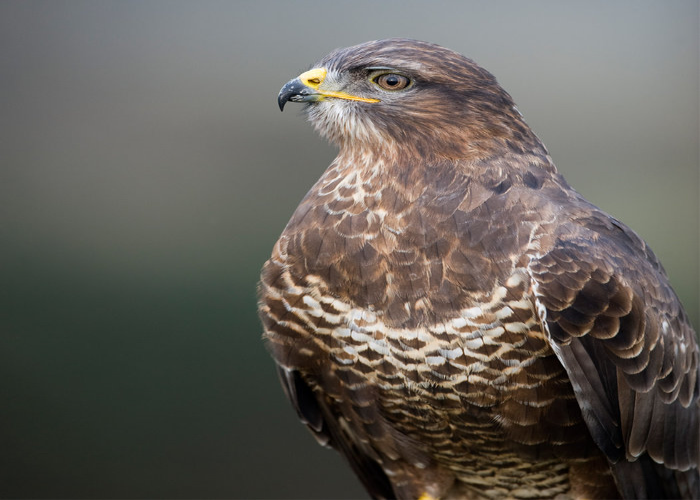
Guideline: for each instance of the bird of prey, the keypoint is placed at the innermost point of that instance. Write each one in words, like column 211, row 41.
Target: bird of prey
column 452, row 317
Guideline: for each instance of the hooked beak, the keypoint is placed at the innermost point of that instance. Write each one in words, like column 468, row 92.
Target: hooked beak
column 305, row 88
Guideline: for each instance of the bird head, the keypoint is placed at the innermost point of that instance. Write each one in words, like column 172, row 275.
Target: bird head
column 407, row 95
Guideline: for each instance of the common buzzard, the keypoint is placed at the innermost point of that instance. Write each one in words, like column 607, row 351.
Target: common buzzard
column 449, row 314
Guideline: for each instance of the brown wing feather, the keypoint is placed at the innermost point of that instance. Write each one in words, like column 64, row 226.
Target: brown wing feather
column 314, row 412
column 629, row 349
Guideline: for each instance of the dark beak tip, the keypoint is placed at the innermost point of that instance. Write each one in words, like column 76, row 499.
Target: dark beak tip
column 290, row 92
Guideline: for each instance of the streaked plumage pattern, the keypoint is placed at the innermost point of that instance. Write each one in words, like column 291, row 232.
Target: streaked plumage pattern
column 448, row 313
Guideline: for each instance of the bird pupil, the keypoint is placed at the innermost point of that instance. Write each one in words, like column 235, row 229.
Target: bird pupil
column 392, row 80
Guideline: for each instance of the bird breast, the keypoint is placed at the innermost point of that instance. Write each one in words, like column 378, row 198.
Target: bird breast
column 425, row 281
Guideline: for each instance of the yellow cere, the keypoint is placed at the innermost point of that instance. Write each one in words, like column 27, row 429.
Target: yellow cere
column 315, row 77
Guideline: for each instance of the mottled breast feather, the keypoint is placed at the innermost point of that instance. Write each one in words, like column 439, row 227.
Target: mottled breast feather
column 451, row 316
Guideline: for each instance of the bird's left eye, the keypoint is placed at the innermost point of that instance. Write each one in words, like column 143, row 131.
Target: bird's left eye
column 392, row 81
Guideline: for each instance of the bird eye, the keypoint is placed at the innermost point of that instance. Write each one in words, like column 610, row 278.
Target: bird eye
column 392, row 81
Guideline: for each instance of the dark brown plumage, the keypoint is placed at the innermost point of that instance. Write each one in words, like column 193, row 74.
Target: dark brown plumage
column 457, row 321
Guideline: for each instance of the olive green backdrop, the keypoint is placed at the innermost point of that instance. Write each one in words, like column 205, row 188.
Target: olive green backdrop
column 146, row 171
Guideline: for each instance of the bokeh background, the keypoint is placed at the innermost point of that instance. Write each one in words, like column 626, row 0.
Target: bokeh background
column 146, row 171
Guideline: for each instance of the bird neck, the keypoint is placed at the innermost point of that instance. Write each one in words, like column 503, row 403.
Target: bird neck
column 474, row 143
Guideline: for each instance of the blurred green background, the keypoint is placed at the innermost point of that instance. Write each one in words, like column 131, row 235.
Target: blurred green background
column 146, row 171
